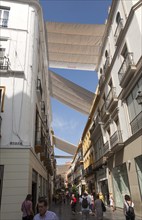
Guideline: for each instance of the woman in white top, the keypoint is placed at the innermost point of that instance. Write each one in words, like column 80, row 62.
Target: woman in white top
column 129, row 208
column 111, row 200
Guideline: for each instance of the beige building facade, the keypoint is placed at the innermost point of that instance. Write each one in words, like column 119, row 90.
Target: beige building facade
column 26, row 165
column 116, row 133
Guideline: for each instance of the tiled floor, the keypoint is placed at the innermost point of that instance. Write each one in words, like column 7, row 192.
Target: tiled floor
column 64, row 213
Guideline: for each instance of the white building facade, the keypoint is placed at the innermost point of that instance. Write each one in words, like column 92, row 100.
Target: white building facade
column 117, row 131
column 25, row 116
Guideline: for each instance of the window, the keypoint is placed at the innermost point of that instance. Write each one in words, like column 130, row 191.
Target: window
column 4, row 15
column 99, row 148
column 4, row 60
column 135, row 111
column 2, row 94
column 138, row 161
column 119, row 22
column 1, row 181
column 101, row 70
column 118, row 17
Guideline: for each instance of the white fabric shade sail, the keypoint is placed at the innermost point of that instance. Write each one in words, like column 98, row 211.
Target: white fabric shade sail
column 64, row 145
column 74, row 46
column 62, row 169
column 70, row 93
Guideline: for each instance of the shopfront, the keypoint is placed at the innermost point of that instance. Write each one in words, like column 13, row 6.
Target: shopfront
column 102, row 184
column 138, row 161
column 120, row 184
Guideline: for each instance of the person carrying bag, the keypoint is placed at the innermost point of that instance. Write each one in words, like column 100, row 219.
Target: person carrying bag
column 26, row 208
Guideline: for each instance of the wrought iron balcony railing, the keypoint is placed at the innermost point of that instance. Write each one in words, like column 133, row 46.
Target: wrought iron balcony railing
column 3, row 22
column 97, row 121
column 4, row 63
column 107, row 63
column 127, row 63
column 106, row 147
column 0, row 125
column 136, row 124
column 118, row 29
column 102, row 80
column 39, row 89
column 111, row 96
column 116, row 138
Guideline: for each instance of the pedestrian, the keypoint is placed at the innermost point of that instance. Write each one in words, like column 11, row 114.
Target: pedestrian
column 101, row 196
column 94, row 194
column 92, row 203
column 85, row 205
column 44, row 214
column 129, row 208
column 26, row 208
column 111, row 201
column 73, row 203
column 98, row 208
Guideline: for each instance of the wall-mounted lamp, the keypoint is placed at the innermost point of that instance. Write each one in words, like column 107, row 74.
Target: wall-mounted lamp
column 139, row 97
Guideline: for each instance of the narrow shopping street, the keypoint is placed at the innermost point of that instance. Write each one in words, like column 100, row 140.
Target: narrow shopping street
column 64, row 213
column 70, row 109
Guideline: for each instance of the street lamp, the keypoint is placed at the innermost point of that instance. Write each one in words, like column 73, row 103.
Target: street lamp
column 139, row 97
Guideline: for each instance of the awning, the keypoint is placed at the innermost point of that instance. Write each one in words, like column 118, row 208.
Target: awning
column 64, row 145
column 74, row 46
column 62, row 169
column 70, row 93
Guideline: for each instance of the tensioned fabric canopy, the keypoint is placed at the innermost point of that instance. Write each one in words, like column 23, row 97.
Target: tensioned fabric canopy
column 70, row 93
column 62, row 169
column 64, row 145
column 74, row 46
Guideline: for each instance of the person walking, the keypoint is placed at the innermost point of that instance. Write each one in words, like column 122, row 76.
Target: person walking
column 111, row 201
column 129, row 208
column 26, row 208
column 85, row 205
column 98, row 208
column 101, row 196
column 44, row 214
column 92, row 203
column 73, row 203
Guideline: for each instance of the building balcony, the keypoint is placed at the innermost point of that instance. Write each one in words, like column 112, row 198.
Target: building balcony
column 136, row 124
column 43, row 155
column 39, row 142
column 0, row 125
column 47, row 163
column 43, row 108
column 39, row 89
column 111, row 100
column 95, row 126
column 107, row 149
column 89, row 170
column 127, row 70
column 118, row 30
column 4, row 64
column 99, row 163
column 102, row 81
column 104, row 113
column 116, row 142
column 106, row 65
column 3, row 22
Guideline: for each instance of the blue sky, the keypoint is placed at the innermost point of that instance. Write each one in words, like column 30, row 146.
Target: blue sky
column 68, row 124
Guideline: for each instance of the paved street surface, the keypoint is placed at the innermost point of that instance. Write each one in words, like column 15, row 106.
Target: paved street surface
column 64, row 213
